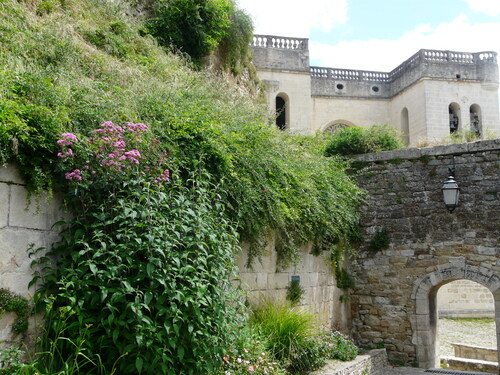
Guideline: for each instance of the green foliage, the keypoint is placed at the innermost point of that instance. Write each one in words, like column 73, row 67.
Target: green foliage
column 285, row 329
column 11, row 302
column 195, row 27
column 344, row 279
column 248, row 355
column 338, row 346
column 294, row 292
column 234, row 49
column 380, row 241
column 357, row 140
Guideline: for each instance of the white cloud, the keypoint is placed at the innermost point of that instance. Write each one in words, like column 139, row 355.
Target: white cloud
column 385, row 55
column 295, row 18
column 490, row 7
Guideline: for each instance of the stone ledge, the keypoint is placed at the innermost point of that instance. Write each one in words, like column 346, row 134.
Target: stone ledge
column 465, row 364
column 416, row 153
column 373, row 362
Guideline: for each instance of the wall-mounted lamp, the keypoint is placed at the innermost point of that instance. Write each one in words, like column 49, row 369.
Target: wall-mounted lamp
column 451, row 192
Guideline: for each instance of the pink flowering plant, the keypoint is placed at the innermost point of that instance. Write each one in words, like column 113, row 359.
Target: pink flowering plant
column 113, row 152
column 250, row 359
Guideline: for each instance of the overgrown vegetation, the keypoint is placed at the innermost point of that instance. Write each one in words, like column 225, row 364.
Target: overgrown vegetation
column 380, row 241
column 143, row 267
column 294, row 292
column 292, row 337
column 11, row 302
column 357, row 140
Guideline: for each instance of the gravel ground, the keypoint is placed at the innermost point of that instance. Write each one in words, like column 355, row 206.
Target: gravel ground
column 478, row 332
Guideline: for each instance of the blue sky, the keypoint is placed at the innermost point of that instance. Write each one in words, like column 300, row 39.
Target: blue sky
column 379, row 34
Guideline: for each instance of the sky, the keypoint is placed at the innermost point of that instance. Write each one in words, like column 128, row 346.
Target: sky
column 379, row 34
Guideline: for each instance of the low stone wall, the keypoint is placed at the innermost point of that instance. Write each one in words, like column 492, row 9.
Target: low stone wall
column 21, row 224
column 372, row 363
column 463, row 364
column 475, row 352
column 321, row 296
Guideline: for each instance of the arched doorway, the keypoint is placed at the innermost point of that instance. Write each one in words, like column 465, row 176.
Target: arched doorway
column 424, row 294
column 466, row 312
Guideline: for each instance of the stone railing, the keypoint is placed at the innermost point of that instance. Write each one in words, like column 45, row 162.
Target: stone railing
column 270, row 41
column 427, row 56
column 349, row 74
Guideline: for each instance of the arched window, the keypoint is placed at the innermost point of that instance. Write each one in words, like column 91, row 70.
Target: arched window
column 454, row 113
column 405, row 125
column 336, row 125
column 475, row 120
column 282, row 111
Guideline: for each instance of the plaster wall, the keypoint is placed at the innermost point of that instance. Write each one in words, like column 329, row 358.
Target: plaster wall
column 359, row 112
column 21, row 224
column 321, row 297
column 439, row 94
column 297, row 88
column 413, row 99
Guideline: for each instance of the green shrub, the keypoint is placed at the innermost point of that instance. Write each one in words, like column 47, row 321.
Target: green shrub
column 357, row 140
column 11, row 302
column 338, row 346
column 144, row 267
column 195, row 27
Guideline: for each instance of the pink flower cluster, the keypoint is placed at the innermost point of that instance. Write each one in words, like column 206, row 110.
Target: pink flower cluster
column 75, row 175
column 67, row 139
column 118, row 149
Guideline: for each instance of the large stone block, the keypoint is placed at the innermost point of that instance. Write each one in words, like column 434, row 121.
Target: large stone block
column 42, row 213
column 10, row 173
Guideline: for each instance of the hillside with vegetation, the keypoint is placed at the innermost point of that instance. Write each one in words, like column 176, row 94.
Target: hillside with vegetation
column 167, row 167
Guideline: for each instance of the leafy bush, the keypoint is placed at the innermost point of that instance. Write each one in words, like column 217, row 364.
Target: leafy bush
column 248, row 355
column 357, row 140
column 338, row 346
column 144, row 266
column 195, row 27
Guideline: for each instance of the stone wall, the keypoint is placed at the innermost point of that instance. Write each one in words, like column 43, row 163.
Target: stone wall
column 321, row 297
column 21, row 224
column 395, row 300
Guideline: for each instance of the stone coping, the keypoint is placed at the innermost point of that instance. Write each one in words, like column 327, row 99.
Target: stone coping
column 372, row 362
column 465, row 364
column 416, row 153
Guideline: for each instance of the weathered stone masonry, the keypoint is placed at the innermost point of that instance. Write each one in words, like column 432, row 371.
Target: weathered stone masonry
column 395, row 299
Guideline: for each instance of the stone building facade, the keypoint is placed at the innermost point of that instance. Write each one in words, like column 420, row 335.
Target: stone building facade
column 395, row 301
column 426, row 97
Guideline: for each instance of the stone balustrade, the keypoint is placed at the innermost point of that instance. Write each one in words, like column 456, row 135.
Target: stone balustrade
column 270, row 41
column 422, row 56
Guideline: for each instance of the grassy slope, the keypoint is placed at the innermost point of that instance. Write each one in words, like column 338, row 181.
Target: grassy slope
column 69, row 65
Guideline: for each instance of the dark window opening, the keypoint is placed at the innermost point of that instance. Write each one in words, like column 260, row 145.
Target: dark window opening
column 454, row 116
column 475, row 120
column 280, row 113
column 340, row 86
column 375, row 89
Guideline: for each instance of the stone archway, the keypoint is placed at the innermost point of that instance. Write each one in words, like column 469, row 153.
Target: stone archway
column 424, row 294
